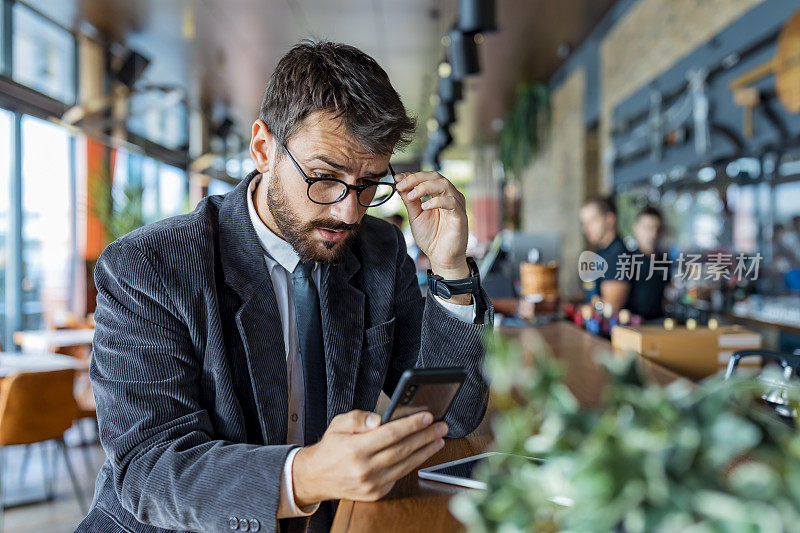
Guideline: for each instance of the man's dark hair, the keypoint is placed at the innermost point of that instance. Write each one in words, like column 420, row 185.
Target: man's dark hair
column 650, row 211
column 605, row 204
column 341, row 79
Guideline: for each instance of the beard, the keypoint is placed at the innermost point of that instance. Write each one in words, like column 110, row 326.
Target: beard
column 303, row 235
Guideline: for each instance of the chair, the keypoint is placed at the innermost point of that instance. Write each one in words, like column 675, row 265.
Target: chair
column 83, row 392
column 84, row 396
column 37, row 407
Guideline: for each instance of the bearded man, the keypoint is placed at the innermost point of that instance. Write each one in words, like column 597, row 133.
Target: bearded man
column 241, row 348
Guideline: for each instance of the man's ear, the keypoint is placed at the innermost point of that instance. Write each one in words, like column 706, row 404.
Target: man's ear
column 260, row 146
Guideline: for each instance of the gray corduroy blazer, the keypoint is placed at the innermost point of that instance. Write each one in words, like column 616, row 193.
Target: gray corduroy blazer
column 189, row 367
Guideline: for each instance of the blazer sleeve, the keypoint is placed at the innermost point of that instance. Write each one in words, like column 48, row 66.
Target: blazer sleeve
column 169, row 471
column 426, row 336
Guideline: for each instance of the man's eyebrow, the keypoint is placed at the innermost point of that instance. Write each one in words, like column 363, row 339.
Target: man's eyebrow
column 345, row 168
column 329, row 161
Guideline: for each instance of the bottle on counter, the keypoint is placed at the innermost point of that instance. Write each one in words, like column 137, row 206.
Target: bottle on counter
column 569, row 312
column 590, row 322
column 583, row 316
column 608, row 316
column 614, row 320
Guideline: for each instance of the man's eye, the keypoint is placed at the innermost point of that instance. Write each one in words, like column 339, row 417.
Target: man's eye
column 322, row 175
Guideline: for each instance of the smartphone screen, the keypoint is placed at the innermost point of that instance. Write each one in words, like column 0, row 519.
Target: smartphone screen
column 432, row 397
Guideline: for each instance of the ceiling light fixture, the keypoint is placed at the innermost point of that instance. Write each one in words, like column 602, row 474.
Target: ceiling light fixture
column 462, row 55
column 476, row 16
column 450, row 90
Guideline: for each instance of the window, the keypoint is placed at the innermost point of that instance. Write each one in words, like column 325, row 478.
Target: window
column 164, row 187
column 171, row 191
column 219, row 187
column 159, row 117
column 121, row 172
column 3, row 66
column 747, row 204
column 47, row 211
column 6, row 144
column 43, row 55
column 695, row 218
column 785, row 243
column 148, row 168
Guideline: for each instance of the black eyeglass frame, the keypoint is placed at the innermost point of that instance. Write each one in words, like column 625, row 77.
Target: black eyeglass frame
column 358, row 188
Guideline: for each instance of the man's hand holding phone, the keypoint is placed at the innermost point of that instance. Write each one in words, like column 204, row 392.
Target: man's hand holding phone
column 358, row 458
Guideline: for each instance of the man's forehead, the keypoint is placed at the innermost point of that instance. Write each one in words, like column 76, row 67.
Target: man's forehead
column 322, row 132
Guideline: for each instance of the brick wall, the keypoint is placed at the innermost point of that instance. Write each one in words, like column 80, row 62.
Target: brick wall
column 554, row 185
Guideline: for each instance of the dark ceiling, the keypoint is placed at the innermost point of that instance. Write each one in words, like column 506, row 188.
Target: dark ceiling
column 222, row 51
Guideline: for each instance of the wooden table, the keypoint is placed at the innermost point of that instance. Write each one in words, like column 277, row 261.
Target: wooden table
column 419, row 505
column 45, row 340
column 12, row 363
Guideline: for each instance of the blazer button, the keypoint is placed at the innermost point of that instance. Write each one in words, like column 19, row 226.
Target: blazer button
column 255, row 525
column 244, row 525
column 233, row 523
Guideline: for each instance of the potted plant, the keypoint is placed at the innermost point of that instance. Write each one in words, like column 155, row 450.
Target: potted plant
column 523, row 127
column 119, row 209
column 663, row 459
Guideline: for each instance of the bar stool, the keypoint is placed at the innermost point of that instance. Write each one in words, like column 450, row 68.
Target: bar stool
column 779, row 392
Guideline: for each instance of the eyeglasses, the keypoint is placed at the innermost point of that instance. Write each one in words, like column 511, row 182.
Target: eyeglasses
column 331, row 190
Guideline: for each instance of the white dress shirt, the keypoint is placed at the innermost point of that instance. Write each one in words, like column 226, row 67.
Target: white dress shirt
column 281, row 260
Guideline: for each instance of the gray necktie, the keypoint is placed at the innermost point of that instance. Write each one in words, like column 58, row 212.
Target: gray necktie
column 312, row 351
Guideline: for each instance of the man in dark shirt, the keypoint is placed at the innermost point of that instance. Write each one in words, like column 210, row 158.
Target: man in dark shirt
column 647, row 292
column 598, row 217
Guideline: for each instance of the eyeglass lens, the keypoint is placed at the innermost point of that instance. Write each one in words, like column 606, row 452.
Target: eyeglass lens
column 329, row 191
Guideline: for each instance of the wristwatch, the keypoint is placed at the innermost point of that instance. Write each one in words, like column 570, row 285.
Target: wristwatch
column 445, row 288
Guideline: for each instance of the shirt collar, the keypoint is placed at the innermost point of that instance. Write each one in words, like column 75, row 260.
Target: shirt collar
column 277, row 248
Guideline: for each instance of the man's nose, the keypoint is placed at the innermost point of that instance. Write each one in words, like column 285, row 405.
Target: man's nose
column 348, row 210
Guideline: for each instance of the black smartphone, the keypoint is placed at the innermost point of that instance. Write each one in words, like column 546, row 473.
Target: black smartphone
column 425, row 389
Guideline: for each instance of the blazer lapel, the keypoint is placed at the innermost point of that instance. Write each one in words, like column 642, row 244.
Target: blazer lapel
column 258, row 319
column 342, row 309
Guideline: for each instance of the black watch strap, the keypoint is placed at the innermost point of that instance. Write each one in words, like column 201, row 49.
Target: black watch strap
column 446, row 288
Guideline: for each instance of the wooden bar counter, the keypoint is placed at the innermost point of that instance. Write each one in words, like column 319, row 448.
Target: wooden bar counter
column 419, row 505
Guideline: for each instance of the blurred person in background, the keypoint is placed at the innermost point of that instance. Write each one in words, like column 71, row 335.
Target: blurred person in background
column 598, row 217
column 647, row 291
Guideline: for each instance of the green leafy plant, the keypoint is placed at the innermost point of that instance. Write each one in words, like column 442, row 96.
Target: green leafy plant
column 119, row 209
column 523, row 127
column 662, row 459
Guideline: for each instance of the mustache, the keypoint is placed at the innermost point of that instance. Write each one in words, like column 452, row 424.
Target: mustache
column 330, row 223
